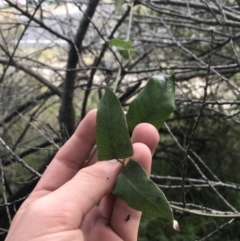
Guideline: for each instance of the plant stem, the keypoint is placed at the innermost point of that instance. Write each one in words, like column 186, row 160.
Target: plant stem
column 122, row 162
column 130, row 22
column 127, row 38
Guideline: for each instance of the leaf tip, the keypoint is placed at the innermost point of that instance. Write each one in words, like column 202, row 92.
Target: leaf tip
column 176, row 226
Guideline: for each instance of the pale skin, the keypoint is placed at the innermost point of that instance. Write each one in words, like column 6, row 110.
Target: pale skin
column 73, row 200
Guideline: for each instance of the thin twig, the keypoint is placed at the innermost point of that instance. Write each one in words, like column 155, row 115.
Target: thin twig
column 100, row 34
column 224, row 19
column 205, row 165
column 216, row 230
column 14, row 202
column 4, row 192
column 3, row 230
column 195, row 57
column 237, row 55
column 19, row 159
column 18, row 42
column 195, row 182
column 40, row 132
column 210, row 102
column 203, row 213
column 195, row 125
column 199, row 170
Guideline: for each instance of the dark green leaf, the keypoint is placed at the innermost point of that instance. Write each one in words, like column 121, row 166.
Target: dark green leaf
column 139, row 192
column 112, row 136
column 154, row 103
column 120, row 44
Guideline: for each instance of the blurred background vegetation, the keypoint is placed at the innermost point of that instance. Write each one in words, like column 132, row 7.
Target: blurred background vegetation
column 53, row 61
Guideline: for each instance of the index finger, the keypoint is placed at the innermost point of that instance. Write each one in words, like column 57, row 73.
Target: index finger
column 71, row 157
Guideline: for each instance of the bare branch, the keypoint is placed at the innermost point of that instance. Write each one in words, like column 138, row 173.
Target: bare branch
column 66, row 114
column 32, row 73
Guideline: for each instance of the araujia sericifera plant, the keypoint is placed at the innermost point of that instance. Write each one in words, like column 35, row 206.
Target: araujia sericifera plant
column 152, row 105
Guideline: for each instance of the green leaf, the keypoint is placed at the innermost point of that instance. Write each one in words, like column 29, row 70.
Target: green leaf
column 139, row 192
column 154, row 103
column 124, row 47
column 120, row 44
column 112, row 135
column 127, row 53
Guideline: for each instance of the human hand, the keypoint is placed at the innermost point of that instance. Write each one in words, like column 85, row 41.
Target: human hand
column 73, row 200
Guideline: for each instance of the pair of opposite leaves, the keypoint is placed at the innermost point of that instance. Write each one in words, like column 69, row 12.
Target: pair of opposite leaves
column 152, row 105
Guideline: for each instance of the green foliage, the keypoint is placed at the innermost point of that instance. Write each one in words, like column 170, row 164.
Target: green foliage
column 154, row 103
column 124, row 47
column 127, row 53
column 121, row 44
column 139, row 192
column 113, row 142
column 112, row 137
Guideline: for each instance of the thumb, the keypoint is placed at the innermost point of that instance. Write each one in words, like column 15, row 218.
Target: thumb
column 87, row 188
